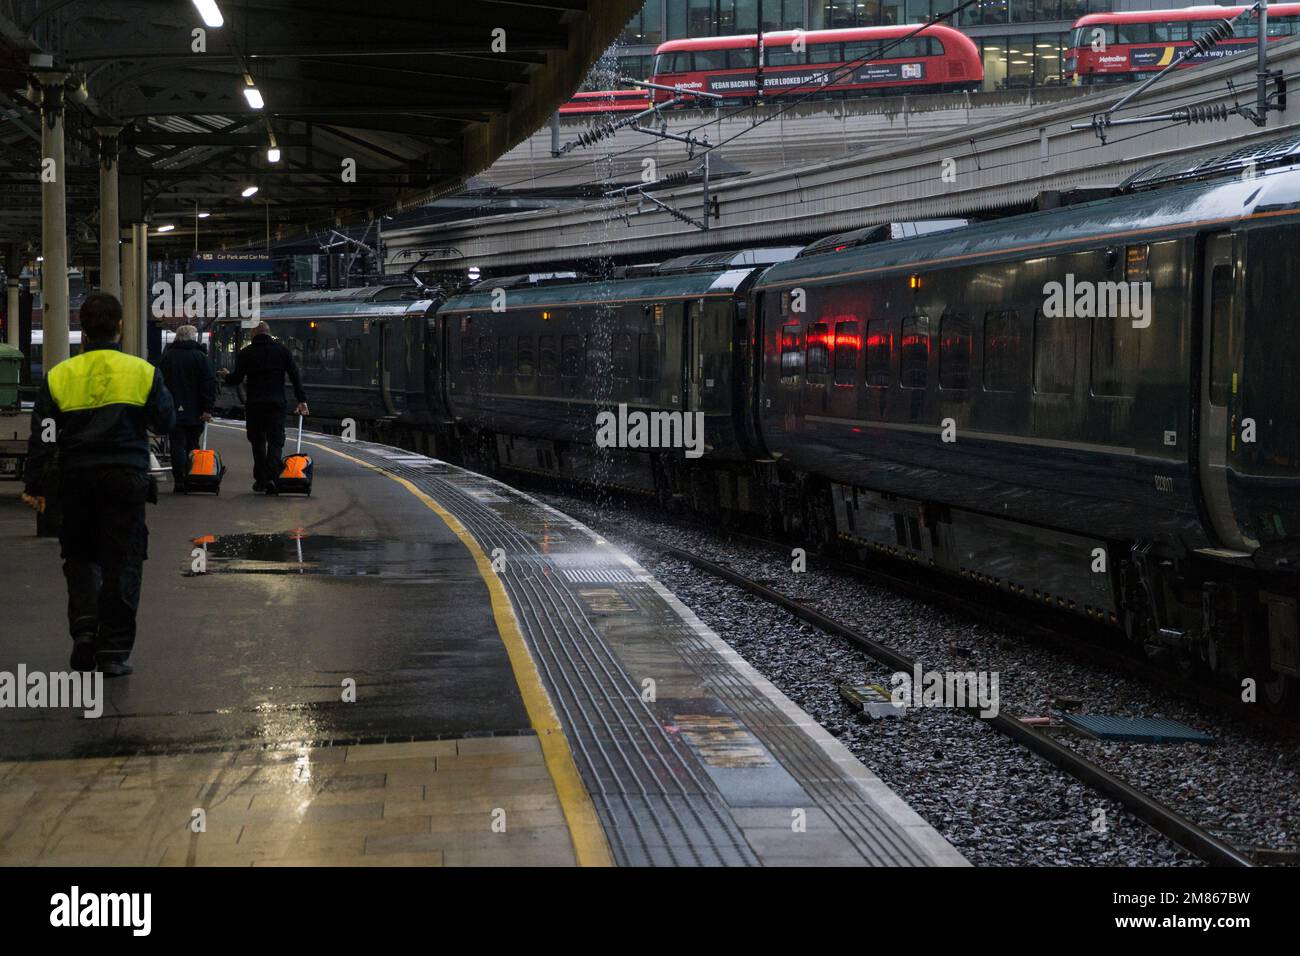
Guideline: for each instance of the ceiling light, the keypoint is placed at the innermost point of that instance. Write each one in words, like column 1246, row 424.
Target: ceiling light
column 167, row 228
column 248, row 191
column 273, row 154
column 210, row 12
column 254, row 97
column 204, row 215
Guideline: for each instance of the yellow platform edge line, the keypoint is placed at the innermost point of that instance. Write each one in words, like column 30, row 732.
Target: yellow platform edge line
column 589, row 843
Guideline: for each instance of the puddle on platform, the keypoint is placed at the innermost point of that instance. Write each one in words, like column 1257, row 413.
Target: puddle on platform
column 298, row 552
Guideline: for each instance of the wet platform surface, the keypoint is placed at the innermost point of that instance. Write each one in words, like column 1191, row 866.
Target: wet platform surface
column 525, row 694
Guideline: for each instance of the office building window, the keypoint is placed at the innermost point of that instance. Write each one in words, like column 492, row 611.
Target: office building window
column 645, row 26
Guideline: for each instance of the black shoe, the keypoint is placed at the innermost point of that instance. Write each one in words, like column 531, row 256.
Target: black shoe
column 83, row 653
column 271, row 489
column 115, row 668
column 258, row 487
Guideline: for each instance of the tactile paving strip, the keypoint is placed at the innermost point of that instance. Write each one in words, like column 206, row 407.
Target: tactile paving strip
column 658, row 803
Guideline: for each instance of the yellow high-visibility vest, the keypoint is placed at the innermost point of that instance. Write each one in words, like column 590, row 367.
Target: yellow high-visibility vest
column 100, row 377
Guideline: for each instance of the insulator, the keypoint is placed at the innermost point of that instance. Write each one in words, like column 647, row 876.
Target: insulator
column 1220, row 30
column 1207, row 114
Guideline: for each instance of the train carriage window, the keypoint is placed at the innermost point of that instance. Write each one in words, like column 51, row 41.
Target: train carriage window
column 880, row 350
column 571, row 354
column 352, row 355
column 848, row 345
column 524, row 355
column 1222, row 334
column 311, row 359
column 332, row 360
column 954, row 350
column 546, row 350
column 914, row 352
column 818, row 361
column 622, row 356
column 648, row 357
column 295, row 349
column 1054, row 340
column 505, row 354
column 1002, row 351
column 1114, row 357
column 487, row 357
column 597, row 360
column 791, row 352
column 468, row 348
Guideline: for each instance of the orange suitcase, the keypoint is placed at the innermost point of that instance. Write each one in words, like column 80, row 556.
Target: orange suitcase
column 206, row 468
column 295, row 471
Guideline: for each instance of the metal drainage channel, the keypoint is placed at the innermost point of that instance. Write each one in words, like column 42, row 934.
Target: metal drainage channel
column 656, row 801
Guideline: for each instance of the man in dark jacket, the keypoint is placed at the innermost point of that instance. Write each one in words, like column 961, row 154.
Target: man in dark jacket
column 264, row 363
column 188, row 375
column 90, row 440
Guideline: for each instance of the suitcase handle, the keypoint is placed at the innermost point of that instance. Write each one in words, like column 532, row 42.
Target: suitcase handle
column 204, row 444
column 298, row 450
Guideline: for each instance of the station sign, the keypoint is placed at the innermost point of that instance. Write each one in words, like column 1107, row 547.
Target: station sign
column 245, row 263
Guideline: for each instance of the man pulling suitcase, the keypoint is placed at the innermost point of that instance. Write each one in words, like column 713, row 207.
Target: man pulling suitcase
column 264, row 364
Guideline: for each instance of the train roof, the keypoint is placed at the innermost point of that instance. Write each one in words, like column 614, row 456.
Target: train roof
column 684, row 277
column 365, row 301
column 1171, row 210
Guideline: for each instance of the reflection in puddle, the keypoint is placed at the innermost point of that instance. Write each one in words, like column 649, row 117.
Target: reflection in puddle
column 297, row 552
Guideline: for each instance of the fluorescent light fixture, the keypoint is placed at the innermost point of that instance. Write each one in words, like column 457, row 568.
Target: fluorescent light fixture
column 210, row 12
column 254, row 97
column 167, row 228
column 248, row 191
column 204, row 215
column 273, row 154
column 40, row 258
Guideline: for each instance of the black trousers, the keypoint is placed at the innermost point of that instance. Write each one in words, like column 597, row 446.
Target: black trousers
column 264, row 425
column 105, row 543
column 183, row 439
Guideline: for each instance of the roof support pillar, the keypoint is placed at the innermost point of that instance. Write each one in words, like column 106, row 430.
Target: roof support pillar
column 135, row 288
column 13, row 268
column 110, row 269
column 54, row 222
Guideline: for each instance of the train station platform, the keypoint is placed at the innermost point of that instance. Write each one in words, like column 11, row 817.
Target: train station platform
column 416, row 665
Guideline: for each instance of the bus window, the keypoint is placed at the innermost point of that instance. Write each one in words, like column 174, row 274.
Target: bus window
column 743, row 59
column 710, row 60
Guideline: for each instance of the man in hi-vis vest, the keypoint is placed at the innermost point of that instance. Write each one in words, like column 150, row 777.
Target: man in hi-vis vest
column 90, row 442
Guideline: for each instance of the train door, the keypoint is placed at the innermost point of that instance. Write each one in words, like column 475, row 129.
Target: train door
column 392, row 365
column 1221, row 362
column 708, row 354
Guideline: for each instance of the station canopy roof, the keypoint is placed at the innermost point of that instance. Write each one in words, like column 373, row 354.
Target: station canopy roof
column 414, row 96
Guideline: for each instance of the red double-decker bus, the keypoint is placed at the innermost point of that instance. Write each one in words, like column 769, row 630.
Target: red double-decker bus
column 606, row 101
column 861, row 61
column 1116, row 47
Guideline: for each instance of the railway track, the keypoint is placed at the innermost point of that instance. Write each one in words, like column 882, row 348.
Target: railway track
column 1176, row 827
